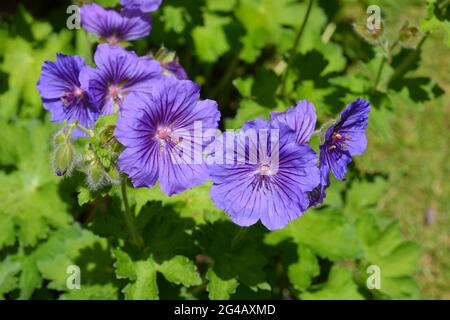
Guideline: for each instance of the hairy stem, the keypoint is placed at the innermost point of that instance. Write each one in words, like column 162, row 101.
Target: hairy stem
column 294, row 50
column 130, row 219
column 378, row 77
column 85, row 130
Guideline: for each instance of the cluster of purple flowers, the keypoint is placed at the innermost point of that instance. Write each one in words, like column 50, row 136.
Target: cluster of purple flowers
column 258, row 177
column 265, row 172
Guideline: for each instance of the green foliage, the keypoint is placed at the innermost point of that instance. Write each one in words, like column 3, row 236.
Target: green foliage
column 31, row 205
column 238, row 51
column 142, row 274
column 210, row 40
column 340, row 285
column 436, row 20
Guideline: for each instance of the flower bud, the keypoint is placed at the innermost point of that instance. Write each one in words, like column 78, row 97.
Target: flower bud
column 409, row 37
column 95, row 175
column 371, row 35
column 59, row 137
column 63, row 158
column 113, row 175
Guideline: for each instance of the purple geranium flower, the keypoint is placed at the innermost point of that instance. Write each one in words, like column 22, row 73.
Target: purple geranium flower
column 344, row 139
column 163, row 134
column 142, row 5
column 115, row 26
column 60, row 87
column 118, row 73
column 264, row 174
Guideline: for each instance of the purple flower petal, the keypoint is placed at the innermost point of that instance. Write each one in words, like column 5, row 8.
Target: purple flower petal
column 114, row 26
column 170, row 63
column 177, row 178
column 142, row 5
column 174, row 68
column 300, row 118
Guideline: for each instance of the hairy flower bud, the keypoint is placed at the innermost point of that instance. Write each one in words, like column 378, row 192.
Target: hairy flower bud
column 409, row 36
column 59, row 138
column 371, row 35
column 63, row 159
column 95, row 175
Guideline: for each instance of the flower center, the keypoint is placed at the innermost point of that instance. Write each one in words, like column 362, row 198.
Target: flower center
column 70, row 97
column 112, row 39
column 114, row 91
column 337, row 140
column 264, row 169
column 336, row 137
column 163, row 133
column 77, row 92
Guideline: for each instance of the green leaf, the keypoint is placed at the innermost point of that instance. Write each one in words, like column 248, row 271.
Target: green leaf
column 31, row 203
column 108, row 3
column 41, row 30
column 193, row 203
column 142, row 276
column 50, row 261
column 8, row 275
column 19, row 58
column 247, row 111
column 340, row 286
column 220, row 289
column 301, row 272
column 397, row 259
column 220, row 5
column 92, row 292
column 60, row 251
column 180, row 270
column 263, row 21
column 264, row 87
column 432, row 23
column 247, row 263
column 174, row 18
column 328, row 233
column 210, row 40
column 363, row 194
column 236, row 253
column 244, row 86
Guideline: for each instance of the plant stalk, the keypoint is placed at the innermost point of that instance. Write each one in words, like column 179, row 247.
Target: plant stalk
column 294, row 49
column 130, row 219
column 380, row 70
column 85, row 130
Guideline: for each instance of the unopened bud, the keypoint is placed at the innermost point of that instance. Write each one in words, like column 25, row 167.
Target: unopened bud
column 59, row 138
column 63, row 158
column 409, row 37
column 113, row 174
column 95, row 175
column 369, row 33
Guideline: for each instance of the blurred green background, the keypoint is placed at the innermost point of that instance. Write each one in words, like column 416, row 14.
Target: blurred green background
column 238, row 50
